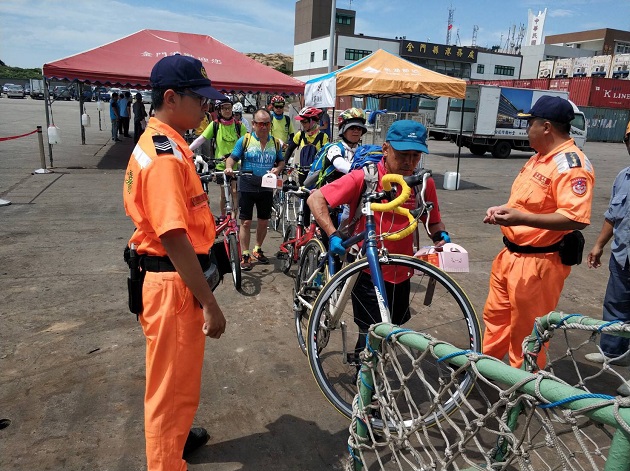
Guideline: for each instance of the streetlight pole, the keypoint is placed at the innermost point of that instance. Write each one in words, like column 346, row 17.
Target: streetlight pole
column 331, row 47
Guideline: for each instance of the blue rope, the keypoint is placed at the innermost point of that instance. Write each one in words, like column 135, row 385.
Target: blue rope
column 608, row 323
column 451, row 355
column 354, row 457
column 576, row 398
column 397, row 331
column 371, row 388
column 565, row 318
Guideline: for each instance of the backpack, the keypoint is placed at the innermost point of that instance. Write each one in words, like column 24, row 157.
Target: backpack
column 215, row 129
column 248, row 138
column 309, row 151
column 321, row 167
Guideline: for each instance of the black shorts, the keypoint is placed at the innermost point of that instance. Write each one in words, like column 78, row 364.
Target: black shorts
column 263, row 200
column 365, row 304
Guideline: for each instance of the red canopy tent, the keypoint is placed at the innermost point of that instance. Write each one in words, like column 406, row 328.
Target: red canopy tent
column 128, row 61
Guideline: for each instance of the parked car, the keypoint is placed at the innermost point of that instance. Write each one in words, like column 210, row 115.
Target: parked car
column 101, row 93
column 15, row 91
column 146, row 96
column 5, row 87
column 61, row 92
column 27, row 89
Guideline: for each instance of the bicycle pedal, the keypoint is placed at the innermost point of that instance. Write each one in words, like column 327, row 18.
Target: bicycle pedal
column 282, row 255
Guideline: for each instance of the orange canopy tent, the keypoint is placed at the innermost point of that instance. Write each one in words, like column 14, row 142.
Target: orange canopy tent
column 381, row 74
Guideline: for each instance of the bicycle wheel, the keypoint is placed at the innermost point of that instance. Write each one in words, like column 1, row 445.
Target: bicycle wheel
column 277, row 208
column 437, row 306
column 235, row 261
column 307, row 287
column 287, row 261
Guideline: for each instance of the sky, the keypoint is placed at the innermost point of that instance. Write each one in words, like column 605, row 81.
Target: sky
column 35, row 32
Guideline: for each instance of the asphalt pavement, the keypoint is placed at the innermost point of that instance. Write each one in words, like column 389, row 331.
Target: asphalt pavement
column 72, row 356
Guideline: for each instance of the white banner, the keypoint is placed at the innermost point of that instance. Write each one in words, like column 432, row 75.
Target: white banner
column 322, row 93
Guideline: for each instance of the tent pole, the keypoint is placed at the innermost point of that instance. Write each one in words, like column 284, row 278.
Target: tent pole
column 47, row 108
column 459, row 143
column 331, row 45
column 81, row 110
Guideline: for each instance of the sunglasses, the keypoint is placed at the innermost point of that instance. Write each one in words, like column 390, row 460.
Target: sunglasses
column 355, row 128
column 278, row 106
column 203, row 101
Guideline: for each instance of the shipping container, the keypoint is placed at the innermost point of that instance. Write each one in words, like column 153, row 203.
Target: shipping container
column 606, row 124
column 398, row 105
column 580, row 90
column 559, row 85
column 610, row 93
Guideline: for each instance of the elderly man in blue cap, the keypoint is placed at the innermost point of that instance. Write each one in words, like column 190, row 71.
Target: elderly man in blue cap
column 174, row 233
column 404, row 146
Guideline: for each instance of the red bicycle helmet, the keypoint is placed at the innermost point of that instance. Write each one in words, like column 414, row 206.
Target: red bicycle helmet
column 351, row 117
column 308, row 112
column 277, row 99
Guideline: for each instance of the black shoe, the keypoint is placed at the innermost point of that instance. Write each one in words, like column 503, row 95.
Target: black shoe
column 197, row 437
column 118, row 140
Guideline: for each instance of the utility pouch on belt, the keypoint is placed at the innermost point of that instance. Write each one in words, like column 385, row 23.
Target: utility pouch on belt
column 135, row 280
column 571, row 248
column 219, row 265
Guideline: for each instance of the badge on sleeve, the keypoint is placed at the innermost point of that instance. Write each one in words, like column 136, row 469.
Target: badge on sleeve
column 573, row 159
column 162, row 145
column 578, row 185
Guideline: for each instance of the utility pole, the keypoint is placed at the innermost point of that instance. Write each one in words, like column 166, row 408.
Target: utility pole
column 331, row 47
column 449, row 27
column 474, row 36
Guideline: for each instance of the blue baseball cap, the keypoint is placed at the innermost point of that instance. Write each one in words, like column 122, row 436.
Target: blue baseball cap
column 552, row 108
column 183, row 72
column 408, row 135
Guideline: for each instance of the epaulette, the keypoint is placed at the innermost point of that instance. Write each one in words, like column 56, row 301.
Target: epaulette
column 162, row 145
column 573, row 159
column 566, row 161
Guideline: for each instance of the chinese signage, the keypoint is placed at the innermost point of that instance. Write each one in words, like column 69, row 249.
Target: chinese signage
column 535, row 26
column 162, row 54
column 437, row 51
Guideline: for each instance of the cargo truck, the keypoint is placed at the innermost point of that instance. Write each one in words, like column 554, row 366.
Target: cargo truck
column 37, row 89
column 491, row 122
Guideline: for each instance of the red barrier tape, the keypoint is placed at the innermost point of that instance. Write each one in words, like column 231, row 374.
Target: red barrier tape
column 17, row 137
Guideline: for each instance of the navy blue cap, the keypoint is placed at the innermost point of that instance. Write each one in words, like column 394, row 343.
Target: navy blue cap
column 408, row 135
column 179, row 72
column 552, row 108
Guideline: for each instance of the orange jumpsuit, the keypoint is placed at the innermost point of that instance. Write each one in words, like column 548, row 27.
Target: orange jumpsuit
column 526, row 286
column 162, row 192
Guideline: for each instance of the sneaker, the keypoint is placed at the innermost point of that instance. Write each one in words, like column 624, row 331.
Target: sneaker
column 197, row 437
column 260, row 256
column 599, row 358
column 246, row 263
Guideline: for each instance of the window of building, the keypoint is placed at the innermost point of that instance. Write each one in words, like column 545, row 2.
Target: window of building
column 312, row 57
column 356, row 54
column 344, row 20
column 504, row 70
column 324, row 54
column 622, row 48
column 480, row 68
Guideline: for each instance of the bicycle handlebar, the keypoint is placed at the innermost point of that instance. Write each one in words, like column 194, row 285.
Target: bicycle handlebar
column 395, row 204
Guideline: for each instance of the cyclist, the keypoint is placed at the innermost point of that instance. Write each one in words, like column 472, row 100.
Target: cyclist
column 237, row 111
column 281, row 124
column 404, row 146
column 225, row 131
column 307, row 141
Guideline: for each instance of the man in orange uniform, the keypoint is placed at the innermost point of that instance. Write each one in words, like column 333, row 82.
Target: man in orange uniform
column 550, row 198
column 174, row 234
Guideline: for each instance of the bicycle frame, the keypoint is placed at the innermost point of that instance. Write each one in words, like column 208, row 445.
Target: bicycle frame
column 229, row 225
column 371, row 251
column 301, row 236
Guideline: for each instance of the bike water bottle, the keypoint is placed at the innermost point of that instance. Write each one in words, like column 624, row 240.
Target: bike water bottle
column 318, row 281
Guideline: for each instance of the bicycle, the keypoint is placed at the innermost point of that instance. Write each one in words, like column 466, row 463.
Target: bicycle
column 284, row 210
column 228, row 227
column 295, row 236
column 434, row 303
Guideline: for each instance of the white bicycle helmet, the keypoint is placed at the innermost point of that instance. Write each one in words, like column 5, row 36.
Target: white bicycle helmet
column 237, row 108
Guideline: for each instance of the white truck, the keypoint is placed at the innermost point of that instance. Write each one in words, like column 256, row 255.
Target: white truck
column 491, row 122
column 37, row 89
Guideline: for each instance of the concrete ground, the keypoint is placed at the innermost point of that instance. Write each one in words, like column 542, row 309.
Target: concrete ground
column 72, row 356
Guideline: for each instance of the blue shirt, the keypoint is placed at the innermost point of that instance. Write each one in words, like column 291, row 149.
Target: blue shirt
column 256, row 160
column 618, row 214
column 112, row 113
column 122, row 107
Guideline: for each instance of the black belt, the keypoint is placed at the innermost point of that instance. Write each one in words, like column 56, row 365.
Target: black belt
column 162, row 264
column 512, row 247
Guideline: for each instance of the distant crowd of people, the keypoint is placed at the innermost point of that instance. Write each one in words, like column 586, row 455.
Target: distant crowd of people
column 120, row 109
